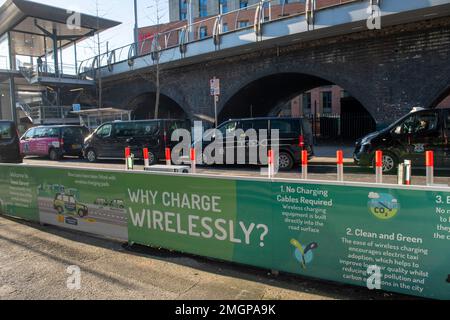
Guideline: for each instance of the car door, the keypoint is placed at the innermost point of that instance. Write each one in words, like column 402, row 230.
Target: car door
column 262, row 131
column 40, row 142
column 427, row 136
column 148, row 134
column 228, row 131
column 26, row 142
column 104, row 143
column 418, row 133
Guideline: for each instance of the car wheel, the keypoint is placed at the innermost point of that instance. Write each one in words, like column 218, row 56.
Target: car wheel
column 152, row 159
column 390, row 162
column 81, row 213
column 54, row 155
column 91, row 155
column 285, row 161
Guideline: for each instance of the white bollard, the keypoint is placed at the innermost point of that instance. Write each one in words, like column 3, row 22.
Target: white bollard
column 193, row 161
column 408, row 174
column 430, row 167
column 146, row 158
column 168, row 157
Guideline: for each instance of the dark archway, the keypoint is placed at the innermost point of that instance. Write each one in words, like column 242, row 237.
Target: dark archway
column 260, row 97
column 443, row 100
column 268, row 95
column 143, row 107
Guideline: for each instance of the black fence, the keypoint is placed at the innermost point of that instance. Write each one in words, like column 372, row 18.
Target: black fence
column 345, row 127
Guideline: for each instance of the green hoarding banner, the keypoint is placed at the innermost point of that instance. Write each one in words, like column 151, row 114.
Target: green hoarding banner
column 355, row 234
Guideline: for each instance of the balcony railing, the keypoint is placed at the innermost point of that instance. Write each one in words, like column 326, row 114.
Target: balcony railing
column 253, row 16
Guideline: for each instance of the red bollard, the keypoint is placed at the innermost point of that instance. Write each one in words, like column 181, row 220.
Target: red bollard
column 340, row 165
column 168, row 157
column 146, row 158
column 305, row 165
column 430, row 167
column 127, row 156
column 379, row 166
column 193, row 161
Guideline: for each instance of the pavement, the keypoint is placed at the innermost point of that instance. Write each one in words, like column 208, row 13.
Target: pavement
column 320, row 170
column 34, row 261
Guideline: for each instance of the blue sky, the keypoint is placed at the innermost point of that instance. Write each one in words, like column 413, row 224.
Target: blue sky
column 119, row 10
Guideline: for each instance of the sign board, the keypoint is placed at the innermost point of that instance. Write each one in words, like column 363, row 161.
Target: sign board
column 215, row 87
column 76, row 107
column 328, row 231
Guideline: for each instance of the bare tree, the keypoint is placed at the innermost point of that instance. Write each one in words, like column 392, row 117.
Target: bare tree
column 157, row 18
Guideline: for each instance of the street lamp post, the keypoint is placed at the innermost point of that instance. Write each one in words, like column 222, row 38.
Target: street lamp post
column 136, row 27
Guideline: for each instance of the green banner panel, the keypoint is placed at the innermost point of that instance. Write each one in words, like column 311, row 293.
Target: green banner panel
column 366, row 235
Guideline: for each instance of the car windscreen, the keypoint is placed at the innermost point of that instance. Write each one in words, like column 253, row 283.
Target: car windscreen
column 5, row 131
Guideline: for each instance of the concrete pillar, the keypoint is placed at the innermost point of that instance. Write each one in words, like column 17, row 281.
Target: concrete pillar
column 12, row 98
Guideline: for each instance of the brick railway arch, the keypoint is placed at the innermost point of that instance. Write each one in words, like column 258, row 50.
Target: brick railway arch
column 143, row 107
column 265, row 91
column 265, row 95
column 442, row 98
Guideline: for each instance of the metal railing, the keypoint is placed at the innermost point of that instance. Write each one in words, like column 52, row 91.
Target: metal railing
column 33, row 71
column 253, row 16
column 42, row 113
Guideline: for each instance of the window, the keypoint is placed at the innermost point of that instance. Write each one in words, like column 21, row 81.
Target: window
column 183, row 9
column 104, row 131
column 224, row 4
column 50, row 133
column 243, row 4
column 243, row 24
column 228, row 128
column 203, row 8
column 203, row 32
column 225, row 27
column 146, row 128
column 307, row 103
column 39, row 133
column 71, row 132
column 419, row 123
column 5, row 131
column 326, row 101
column 29, row 134
column 285, row 126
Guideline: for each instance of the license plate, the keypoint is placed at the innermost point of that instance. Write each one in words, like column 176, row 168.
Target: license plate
column 76, row 146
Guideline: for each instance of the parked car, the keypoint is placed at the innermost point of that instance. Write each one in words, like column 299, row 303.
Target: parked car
column 54, row 141
column 110, row 139
column 9, row 143
column 408, row 139
column 68, row 204
column 295, row 135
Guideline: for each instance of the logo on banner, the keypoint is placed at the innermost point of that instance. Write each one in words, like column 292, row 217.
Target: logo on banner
column 383, row 205
column 304, row 255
